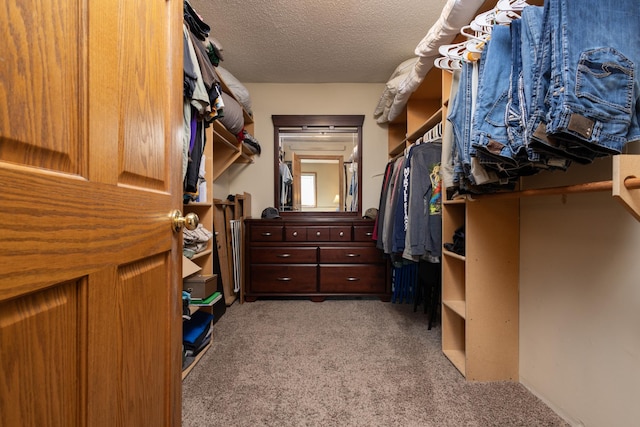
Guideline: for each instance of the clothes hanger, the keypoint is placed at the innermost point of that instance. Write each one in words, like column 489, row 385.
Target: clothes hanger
column 485, row 19
column 453, row 51
column 504, row 17
column 463, row 51
column 511, row 5
column 475, row 33
column 446, row 63
column 433, row 133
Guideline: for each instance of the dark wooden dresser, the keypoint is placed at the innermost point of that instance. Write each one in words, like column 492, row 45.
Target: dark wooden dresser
column 315, row 258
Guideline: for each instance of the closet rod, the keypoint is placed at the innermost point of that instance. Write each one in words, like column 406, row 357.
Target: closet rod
column 589, row 187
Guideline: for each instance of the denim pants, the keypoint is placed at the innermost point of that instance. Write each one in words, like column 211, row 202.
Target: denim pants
column 587, row 86
column 460, row 118
column 449, row 153
column 489, row 135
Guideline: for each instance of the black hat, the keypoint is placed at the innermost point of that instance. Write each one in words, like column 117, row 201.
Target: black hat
column 270, row 213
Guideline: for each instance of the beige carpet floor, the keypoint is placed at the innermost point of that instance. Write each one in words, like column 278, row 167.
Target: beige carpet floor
column 342, row 363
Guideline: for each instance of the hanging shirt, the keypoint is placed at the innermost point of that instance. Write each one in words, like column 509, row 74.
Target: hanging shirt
column 424, row 234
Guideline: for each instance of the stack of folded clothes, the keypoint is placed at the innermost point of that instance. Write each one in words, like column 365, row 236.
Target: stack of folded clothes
column 196, row 333
column 250, row 142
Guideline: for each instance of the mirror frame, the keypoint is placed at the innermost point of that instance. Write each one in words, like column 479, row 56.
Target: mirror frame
column 311, row 121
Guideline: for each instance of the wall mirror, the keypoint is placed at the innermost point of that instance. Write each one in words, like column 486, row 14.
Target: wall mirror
column 318, row 164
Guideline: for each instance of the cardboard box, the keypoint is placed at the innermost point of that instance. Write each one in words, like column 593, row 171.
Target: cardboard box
column 201, row 286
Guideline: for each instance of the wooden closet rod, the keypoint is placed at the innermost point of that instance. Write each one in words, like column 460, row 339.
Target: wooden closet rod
column 589, row 187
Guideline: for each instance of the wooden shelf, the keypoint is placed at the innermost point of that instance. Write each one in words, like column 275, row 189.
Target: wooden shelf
column 198, row 205
column 189, row 368
column 458, row 307
column 454, row 255
column 227, row 149
column 455, row 201
column 202, row 254
column 484, row 281
column 432, row 121
column 422, row 112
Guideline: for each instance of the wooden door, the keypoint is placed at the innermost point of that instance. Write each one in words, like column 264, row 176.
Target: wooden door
column 90, row 130
column 296, row 171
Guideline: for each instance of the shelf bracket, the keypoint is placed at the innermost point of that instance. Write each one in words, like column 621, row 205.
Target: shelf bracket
column 626, row 166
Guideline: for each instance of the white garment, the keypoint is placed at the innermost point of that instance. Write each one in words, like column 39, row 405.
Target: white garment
column 285, row 179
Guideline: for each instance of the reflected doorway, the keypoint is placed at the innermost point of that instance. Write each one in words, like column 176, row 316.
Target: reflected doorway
column 329, row 179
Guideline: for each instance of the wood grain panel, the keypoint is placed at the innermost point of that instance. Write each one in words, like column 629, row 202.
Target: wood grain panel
column 279, row 255
column 90, row 163
column 144, row 87
column 267, row 233
column 284, row 278
column 352, row 278
column 39, row 90
column 76, row 227
column 363, row 233
column 351, row 255
column 129, row 342
column 39, row 372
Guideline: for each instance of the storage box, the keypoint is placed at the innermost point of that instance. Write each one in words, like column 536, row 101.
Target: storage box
column 201, row 286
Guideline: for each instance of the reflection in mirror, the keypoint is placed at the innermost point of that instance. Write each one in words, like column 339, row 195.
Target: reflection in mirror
column 317, row 164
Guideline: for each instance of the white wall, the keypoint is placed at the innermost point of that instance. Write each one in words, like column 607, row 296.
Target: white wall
column 580, row 301
column 269, row 99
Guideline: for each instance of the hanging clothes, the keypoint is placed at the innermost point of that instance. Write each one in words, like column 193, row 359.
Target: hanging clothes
column 286, row 181
column 424, row 231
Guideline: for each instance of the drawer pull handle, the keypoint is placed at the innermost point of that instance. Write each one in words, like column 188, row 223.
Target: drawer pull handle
column 266, row 233
column 317, row 233
column 353, row 255
column 283, row 255
column 295, row 233
column 352, row 279
column 284, row 279
column 341, row 233
column 369, row 234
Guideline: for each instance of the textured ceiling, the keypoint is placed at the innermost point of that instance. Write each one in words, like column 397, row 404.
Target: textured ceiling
column 317, row 41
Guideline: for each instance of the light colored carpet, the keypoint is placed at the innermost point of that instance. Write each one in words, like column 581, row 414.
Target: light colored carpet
column 342, row 363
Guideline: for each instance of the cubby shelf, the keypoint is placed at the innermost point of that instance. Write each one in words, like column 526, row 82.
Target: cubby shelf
column 480, row 288
column 227, row 148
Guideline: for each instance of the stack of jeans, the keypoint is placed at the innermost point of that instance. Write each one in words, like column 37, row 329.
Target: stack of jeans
column 559, row 85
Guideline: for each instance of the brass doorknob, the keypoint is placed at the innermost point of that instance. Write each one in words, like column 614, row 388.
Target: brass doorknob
column 178, row 221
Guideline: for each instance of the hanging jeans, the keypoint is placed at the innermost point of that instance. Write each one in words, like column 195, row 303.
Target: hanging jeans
column 489, row 126
column 460, row 119
column 587, row 87
column 529, row 54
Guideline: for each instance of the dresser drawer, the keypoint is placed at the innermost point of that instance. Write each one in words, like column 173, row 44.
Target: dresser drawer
column 267, row 233
column 329, row 234
column 363, row 233
column 319, row 234
column 351, row 255
column 352, row 279
column 284, row 255
column 341, row 234
column 295, row 233
column 283, row 278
